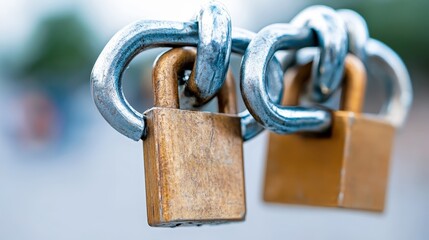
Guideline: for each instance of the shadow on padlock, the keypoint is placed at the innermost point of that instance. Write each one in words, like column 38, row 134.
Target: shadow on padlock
column 347, row 169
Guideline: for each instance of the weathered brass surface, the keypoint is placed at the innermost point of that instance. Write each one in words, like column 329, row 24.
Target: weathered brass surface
column 193, row 160
column 348, row 168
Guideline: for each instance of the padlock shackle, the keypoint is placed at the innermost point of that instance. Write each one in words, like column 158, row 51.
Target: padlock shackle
column 354, row 85
column 227, row 96
column 165, row 75
column 166, row 70
column 353, row 89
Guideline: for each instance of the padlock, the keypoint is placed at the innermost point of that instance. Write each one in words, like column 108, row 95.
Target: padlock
column 347, row 167
column 193, row 160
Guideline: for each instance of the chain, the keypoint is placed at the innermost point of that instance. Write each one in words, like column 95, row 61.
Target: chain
column 333, row 33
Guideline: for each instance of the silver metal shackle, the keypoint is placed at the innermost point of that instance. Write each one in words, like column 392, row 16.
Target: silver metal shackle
column 142, row 35
column 381, row 63
column 328, row 66
column 120, row 50
column 279, row 119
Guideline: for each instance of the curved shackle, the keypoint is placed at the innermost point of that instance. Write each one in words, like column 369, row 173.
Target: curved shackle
column 328, row 68
column 381, row 63
column 130, row 41
column 165, row 77
column 353, row 87
column 384, row 63
column 142, row 35
column 277, row 118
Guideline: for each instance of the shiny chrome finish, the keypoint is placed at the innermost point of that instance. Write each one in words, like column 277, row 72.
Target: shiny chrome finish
column 279, row 119
column 213, row 53
column 332, row 38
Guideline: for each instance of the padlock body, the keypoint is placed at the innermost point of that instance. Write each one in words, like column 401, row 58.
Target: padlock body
column 193, row 168
column 348, row 169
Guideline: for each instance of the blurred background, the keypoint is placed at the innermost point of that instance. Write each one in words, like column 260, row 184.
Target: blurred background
column 66, row 174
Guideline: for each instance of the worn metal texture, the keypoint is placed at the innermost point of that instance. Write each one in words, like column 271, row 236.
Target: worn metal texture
column 331, row 34
column 193, row 160
column 347, row 169
column 279, row 119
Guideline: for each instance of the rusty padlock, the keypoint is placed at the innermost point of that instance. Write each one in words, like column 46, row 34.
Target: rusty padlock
column 193, row 160
column 348, row 168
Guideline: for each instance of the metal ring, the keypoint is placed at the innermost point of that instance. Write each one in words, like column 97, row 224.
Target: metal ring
column 381, row 63
column 279, row 119
column 213, row 53
column 121, row 49
column 240, row 41
column 332, row 36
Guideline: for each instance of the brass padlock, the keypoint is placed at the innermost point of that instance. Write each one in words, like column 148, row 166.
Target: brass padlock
column 348, row 168
column 193, row 160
